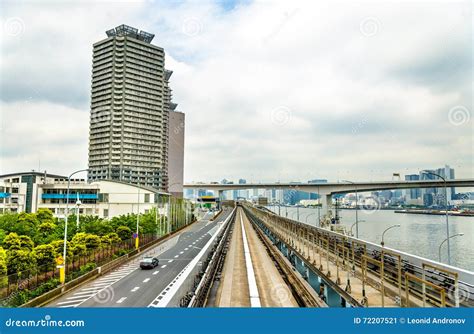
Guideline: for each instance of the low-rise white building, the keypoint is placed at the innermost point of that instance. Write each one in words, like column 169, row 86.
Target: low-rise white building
column 27, row 192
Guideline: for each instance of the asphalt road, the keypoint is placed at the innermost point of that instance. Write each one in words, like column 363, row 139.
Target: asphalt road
column 130, row 286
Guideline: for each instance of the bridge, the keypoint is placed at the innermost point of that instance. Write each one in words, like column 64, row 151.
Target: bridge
column 327, row 190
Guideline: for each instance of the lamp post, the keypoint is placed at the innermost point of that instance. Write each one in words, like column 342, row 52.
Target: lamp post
column 309, row 216
column 393, row 226
column 352, row 226
column 137, row 241
column 78, row 204
column 447, row 239
column 446, row 210
column 319, row 208
column 62, row 270
column 357, row 208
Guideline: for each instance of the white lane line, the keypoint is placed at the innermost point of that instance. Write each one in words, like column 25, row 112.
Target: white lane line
column 77, row 297
column 146, row 280
column 135, row 289
column 68, row 302
column 156, row 272
column 191, row 245
column 84, row 293
column 186, row 248
column 181, row 252
column 120, row 301
column 169, row 262
column 253, row 289
column 107, row 280
column 176, row 256
column 100, row 284
column 90, row 289
column 163, row 266
column 64, row 306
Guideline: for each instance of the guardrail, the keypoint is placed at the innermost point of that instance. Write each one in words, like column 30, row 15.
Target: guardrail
column 427, row 281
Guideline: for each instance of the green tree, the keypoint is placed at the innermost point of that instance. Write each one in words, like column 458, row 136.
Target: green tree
column 3, row 234
column 8, row 222
column 3, row 268
column 45, row 256
column 46, row 233
column 20, row 261
column 45, row 215
column 78, row 250
column 58, row 246
column 110, row 239
column 124, row 232
column 26, row 243
column 95, row 225
column 27, row 224
column 91, row 241
column 12, row 242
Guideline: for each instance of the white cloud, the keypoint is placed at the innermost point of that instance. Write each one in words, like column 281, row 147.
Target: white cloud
column 272, row 90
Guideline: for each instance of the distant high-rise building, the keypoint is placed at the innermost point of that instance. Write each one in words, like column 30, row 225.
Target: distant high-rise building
column 415, row 193
column 436, row 195
column 130, row 111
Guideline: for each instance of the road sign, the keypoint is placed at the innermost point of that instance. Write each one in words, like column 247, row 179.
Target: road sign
column 59, row 260
column 135, row 235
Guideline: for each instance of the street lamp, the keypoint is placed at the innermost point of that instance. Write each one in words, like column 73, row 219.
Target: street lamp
column 446, row 210
column 447, row 239
column 62, row 270
column 393, row 226
column 309, row 216
column 137, row 241
column 357, row 208
column 352, row 226
column 78, row 204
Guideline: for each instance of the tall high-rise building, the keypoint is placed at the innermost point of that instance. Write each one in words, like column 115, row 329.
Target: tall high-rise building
column 130, row 110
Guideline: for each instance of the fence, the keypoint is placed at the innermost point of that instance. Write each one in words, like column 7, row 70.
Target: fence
column 33, row 278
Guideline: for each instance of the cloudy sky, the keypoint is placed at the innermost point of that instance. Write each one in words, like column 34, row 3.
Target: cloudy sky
column 272, row 90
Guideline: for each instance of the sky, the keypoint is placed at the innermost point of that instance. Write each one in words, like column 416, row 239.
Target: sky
column 272, row 90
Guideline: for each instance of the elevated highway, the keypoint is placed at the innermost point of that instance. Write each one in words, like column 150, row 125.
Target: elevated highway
column 327, row 190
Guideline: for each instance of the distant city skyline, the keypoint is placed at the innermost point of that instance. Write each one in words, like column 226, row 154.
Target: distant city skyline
column 273, row 91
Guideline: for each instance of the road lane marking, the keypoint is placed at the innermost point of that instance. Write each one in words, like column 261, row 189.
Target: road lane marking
column 163, row 266
column 83, row 293
column 146, row 280
column 186, row 248
column 169, row 262
column 68, row 302
column 76, row 297
column 176, row 256
column 135, row 289
column 156, row 272
column 181, row 252
column 120, row 301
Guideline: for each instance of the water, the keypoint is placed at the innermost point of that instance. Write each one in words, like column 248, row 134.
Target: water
column 418, row 234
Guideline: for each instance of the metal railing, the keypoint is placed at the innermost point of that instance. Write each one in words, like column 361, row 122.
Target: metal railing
column 380, row 267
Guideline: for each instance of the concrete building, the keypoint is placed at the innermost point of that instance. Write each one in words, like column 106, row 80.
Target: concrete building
column 176, row 153
column 28, row 192
column 130, row 110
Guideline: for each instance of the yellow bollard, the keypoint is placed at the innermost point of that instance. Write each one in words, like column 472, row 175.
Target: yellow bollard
column 62, row 276
column 136, row 242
